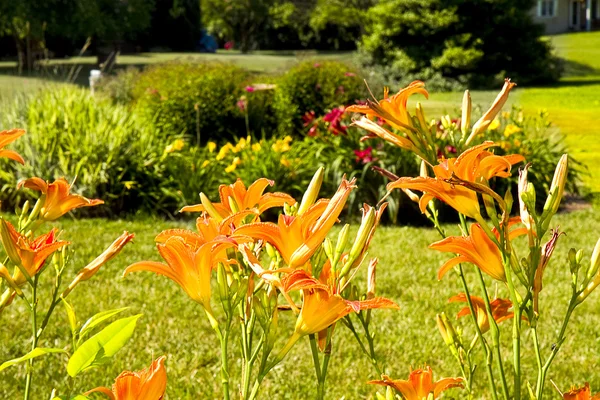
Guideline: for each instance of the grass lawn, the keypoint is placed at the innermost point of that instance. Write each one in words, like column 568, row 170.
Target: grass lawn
column 173, row 325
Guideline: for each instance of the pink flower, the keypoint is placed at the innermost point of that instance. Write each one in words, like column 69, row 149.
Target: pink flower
column 350, row 74
column 250, row 89
column 308, row 117
column 316, row 65
column 242, row 103
column 364, row 156
column 451, row 149
column 228, row 45
column 312, row 132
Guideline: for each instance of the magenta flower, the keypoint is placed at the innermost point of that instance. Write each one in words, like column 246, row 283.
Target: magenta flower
column 364, row 156
column 250, row 89
column 334, row 120
column 228, row 45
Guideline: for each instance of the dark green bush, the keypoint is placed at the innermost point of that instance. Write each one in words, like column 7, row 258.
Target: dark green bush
column 197, row 100
column 314, row 86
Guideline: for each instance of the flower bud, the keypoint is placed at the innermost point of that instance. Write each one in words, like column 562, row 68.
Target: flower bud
column 371, row 285
column 423, row 170
column 556, row 189
column 328, row 247
column 421, row 117
column 573, row 264
column 342, row 240
column 490, row 208
column 233, row 205
column 362, row 235
column 312, row 192
column 270, row 250
column 92, row 268
column 447, row 330
column 595, row 260
column 482, row 124
column 210, row 208
column 465, row 119
column 446, row 121
column 524, row 205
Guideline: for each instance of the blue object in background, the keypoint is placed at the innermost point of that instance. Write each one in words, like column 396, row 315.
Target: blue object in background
column 207, row 43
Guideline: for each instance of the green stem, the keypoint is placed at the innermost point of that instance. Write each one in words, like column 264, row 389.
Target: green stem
column 538, row 357
column 348, row 322
column 34, row 339
column 224, row 364
column 556, row 346
column 326, row 358
column 495, row 333
column 314, row 349
column 488, row 354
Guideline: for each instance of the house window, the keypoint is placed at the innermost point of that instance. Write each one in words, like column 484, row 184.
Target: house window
column 547, row 8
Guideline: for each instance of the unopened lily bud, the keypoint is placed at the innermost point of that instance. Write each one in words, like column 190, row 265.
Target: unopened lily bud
column 421, row 117
column 222, row 282
column 25, row 209
column 371, row 285
column 270, row 250
column 447, row 330
column 342, row 240
column 92, row 268
column 579, row 256
column 573, row 264
column 465, row 119
column 508, row 199
column 595, row 260
column 9, row 245
column 446, row 121
column 487, row 118
column 411, row 195
column 557, row 188
column 362, row 235
column 312, row 192
column 523, row 195
column 210, row 208
column 423, row 170
column 490, row 208
column 328, row 247
column 233, row 205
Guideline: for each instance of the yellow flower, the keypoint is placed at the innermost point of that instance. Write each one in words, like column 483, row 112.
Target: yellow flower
column 282, row 145
column 205, row 163
column 495, row 124
column 224, row 151
column 211, row 146
column 236, row 161
column 241, row 144
column 285, row 162
column 510, row 129
column 256, row 147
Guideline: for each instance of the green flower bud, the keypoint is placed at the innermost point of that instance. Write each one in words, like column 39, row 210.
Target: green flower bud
column 312, row 192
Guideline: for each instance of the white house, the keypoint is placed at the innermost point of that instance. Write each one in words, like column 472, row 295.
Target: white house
column 567, row 15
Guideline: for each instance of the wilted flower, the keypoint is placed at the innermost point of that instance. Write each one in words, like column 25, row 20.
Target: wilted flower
column 147, row 384
column 499, row 309
column 420, row 384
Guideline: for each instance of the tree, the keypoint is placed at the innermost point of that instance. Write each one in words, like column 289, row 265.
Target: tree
column 471, row 42
column 239, row 20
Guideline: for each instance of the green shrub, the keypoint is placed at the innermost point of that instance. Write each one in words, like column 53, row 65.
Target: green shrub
column 314, row 86
column 108, row 150
column 120, row 87
column 197, row 100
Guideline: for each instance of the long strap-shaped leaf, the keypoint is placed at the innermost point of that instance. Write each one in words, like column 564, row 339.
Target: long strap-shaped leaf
column 39, row 351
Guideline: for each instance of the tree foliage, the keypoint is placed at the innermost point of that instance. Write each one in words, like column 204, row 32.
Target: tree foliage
column 464, row 41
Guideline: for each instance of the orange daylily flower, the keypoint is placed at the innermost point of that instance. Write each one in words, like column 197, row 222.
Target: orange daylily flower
column 322, row 304
column 244, row 199
column 147, row 384
column 477, row 163
column 460, row 198
column 582, row 393
column 190, row 260
column 7, row 137
column 31, row 254
column 392, row 109
column 298, row 237
column 58, row 201
column 420, row 384
column 477, row 248
column 499, row 308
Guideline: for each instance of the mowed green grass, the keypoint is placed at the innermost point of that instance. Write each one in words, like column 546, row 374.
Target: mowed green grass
column 175, row 326
column 573, row 103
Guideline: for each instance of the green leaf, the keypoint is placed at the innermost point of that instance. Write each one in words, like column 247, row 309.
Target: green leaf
column 71, row 316
column 102, row 346
column 40, row 351
column 98, row 319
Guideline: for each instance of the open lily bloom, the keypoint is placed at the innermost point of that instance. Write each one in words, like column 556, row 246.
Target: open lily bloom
column 58, row 200
column 189, row 261
column 477, row 163
column 30, row 254
column 322, row 304
column 420, row 384
column 392, row 109
column 298, row 237
column 582, row 393
column 236, row 197
column 499, row 308
column 147, row 384
column 6, row 138
column 477, row 248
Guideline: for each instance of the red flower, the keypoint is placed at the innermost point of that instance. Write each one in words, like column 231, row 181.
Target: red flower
column 228, row 45
column 308, row 117
column 334, row 119
column 364, row 156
